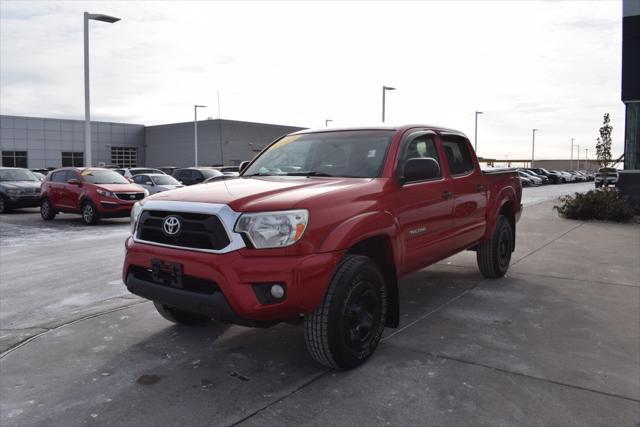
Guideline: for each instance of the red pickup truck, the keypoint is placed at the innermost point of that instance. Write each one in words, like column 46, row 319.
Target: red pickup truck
column 319, row 228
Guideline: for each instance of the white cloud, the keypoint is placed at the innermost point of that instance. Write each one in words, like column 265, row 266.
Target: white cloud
column 549, row 65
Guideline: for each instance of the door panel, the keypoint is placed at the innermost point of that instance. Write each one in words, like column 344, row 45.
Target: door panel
column 469, row 194
column 423, row 208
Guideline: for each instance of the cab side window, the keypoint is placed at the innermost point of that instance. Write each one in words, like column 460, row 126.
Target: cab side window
column 59, row 176
column 421, row 147
column 458, row 156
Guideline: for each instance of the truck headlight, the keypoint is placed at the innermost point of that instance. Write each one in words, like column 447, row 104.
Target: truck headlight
column 273, row 229
column 135, row 214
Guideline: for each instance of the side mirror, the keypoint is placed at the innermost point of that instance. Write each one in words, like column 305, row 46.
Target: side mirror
column 420, row 169
column 74, row 181
column 243, row 166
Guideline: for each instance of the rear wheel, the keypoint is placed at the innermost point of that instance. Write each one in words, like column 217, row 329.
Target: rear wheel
column 344, row 331
column 494, row 255
column 46, row 211
column 178, row 316
column 89, row 213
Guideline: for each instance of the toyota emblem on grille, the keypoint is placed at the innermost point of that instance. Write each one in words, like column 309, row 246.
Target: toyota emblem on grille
column 132, row 196
column 171, row 226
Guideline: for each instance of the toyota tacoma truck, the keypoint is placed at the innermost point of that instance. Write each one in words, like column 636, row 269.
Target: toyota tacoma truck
column 319, row 228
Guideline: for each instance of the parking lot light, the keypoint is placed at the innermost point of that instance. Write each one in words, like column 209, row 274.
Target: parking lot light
column 384, row 91
column 195, row 133
column 533, row 146
column 87, row 113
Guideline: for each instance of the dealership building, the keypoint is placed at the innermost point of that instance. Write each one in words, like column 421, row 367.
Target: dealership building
column 37, row 143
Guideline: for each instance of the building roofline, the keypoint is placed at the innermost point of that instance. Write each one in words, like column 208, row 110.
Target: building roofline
column 68, row 120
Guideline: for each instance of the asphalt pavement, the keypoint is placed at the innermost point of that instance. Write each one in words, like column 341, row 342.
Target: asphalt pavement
column 556, row 342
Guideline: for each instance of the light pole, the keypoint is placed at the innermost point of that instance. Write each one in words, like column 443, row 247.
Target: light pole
column 578, row 156
column 326, row 122
column 572, row 153
column 384, row 91
column 586, row 159
column 533, row 146
column 195, row 133
column 87, row 112
column 475, row 143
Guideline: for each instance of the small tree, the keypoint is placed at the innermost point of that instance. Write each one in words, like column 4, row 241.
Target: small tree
column 603, row 143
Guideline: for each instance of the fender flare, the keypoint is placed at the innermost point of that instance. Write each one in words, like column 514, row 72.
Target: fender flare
column 508, row 194
column 362, row 227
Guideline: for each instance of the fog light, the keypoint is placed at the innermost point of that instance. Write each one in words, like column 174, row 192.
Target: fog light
column 277, row 291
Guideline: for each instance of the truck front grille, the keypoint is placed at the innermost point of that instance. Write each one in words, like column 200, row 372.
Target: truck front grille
column 197, row 231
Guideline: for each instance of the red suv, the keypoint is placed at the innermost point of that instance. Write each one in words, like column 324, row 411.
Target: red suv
column 92, row 192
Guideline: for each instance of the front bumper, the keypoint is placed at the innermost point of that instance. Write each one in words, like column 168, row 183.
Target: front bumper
column 110, row 208
column 226, row 282
column 23, row 201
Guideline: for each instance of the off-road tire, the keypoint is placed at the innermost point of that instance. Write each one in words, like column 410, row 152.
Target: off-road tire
column 355, row 297
column 89, row 218
column 181, row 317
column 494, row 255
column 46, row 210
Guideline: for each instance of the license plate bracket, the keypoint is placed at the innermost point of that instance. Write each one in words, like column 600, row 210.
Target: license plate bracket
column 167, row 273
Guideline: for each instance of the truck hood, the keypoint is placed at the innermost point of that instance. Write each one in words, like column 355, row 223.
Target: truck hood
column 264, row 193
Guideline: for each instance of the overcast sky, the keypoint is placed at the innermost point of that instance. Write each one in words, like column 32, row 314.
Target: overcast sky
column 548, row 65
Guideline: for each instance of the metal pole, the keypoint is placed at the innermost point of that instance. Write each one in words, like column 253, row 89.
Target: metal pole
column 384, row 89
column 475, row 144
column 533, row 146
column 87, row 113
column 195, row 135
column 220, row 130
column 326, row 122
column 578, row 167
column 572, row 153
column 586, row 159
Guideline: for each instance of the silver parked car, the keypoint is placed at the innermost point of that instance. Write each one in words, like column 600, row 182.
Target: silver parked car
column 157, row 182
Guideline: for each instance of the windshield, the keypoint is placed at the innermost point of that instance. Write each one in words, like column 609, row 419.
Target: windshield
column 164, row 180
column 17, row 175
column 103, row 176
column 138, row 171
column 610, row 170
column 356, row 154
column 208, row 173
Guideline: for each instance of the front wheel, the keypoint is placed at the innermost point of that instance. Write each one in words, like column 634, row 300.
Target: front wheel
column 46, row 211
column 494, row 255
column 181, row 317
column 344, row 331
column 89, row 213
column 4, row 208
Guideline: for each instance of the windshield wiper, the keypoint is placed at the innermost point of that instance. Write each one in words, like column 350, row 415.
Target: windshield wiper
column 307, row 173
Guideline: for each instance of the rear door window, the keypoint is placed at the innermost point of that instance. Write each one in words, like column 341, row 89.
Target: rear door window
column 458, row 156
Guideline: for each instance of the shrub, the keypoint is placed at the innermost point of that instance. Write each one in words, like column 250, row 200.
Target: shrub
column 604, row 204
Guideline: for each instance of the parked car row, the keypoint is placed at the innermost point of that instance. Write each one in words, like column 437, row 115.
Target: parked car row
column 96, row 193
column 541, row 176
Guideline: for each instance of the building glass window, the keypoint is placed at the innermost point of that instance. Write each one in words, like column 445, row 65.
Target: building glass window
column 14, row 159
column 124, row 157
column 72, row 158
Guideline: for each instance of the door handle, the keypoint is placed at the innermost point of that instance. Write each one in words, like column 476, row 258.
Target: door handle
column 447, row 195
column 480, row 188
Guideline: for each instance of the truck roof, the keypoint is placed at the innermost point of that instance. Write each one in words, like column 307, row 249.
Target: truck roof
column 389, row 128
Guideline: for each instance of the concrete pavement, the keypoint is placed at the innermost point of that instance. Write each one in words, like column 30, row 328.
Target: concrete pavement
column 556, row 342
